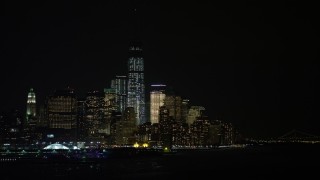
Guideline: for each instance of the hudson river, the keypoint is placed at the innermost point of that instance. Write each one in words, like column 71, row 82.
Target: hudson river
column 253, row 162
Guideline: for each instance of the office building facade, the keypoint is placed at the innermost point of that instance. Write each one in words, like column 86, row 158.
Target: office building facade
column 62, row 109
column 136, row 87
column 119, row 84
column 157, row 96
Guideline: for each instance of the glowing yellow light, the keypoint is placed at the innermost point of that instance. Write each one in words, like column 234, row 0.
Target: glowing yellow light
column 145, row 145
column 136, row 145
column 166, row 149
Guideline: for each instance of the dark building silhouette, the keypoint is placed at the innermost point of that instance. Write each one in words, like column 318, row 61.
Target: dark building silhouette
column 144, row 133
column 126, row 127
column 82, row 124
column 115, row 118
column 155, row 135
column 165, row 124
column 215, row 133
column 185, row 106
column 11, row 127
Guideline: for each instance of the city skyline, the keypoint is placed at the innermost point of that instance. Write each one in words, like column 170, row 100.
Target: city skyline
column 247, row 80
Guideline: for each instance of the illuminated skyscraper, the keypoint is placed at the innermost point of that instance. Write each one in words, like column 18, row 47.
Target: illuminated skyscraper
column 194, row 113
column 120, row 86
column 31, row 105
column 110, row 107
column 200, row 131
column 157, row 96
column 173, row 103
column 110, row 101
column 62, row 109
column 95, row 107
column 136, row 88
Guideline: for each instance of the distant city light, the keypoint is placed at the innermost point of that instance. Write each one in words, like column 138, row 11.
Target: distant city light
column 136, row 145
column 158, row 85
column 50, row 136
column 145, row 145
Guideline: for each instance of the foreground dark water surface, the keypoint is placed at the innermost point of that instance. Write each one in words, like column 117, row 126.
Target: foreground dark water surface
column 254, row 162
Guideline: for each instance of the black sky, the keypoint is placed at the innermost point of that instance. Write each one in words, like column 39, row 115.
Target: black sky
column 250, row 63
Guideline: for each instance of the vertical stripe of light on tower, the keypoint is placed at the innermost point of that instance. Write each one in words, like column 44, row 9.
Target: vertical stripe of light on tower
column 136, row 88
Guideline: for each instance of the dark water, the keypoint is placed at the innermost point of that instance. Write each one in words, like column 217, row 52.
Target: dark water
column 257, row 162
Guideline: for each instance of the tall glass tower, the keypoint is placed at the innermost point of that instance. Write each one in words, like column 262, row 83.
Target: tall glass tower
column 136, row 87
column 120, row 86
column 31, row 104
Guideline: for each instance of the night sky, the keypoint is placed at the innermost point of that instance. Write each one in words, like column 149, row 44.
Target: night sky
column 249, row 63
